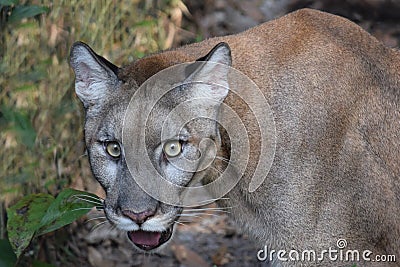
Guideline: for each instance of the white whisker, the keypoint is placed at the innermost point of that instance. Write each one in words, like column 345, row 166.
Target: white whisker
column 181, row 222
column 227, row 161
column 90, row 199
column 223, row 159
column 193, row 216
column 207, row 209
column 200, row 214
column 214, row 199
column 89, row 196
column 81, row 209
column 95, row 227
column 219, row 171
column 96, row 218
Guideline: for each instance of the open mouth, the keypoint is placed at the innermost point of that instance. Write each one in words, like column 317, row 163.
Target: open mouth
column 146, row 240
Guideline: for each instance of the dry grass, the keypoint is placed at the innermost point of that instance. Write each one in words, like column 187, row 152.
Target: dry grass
column 41, row 119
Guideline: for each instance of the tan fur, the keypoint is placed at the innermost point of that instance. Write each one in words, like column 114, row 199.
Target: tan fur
column 335, row 93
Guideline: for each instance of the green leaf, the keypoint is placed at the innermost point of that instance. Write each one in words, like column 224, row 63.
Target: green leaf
column 24, row 220
column 38, row 214
column 8, row 2
column 69, row 206
column 21, row 12
column 7, row 255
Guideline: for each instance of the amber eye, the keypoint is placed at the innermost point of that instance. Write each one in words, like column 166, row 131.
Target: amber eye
column 113, row 149
column 172, row 148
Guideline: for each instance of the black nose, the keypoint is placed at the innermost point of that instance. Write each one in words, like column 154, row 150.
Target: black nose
column 140, row 217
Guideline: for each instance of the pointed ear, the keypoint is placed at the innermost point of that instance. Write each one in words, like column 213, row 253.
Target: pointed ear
column 213, row 70
column 94, row 75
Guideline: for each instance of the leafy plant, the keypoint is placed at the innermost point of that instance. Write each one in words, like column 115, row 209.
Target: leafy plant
column 16, row 12
column 38, row 214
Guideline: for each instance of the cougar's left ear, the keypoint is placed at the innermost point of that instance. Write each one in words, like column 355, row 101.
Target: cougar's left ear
column 95, row 77
column 212, row 71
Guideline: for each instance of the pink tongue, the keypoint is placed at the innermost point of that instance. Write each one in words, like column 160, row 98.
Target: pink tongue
column 145, row 238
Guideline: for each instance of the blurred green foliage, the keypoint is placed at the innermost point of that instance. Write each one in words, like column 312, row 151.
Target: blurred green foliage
column 40, row 117
column 42, row 149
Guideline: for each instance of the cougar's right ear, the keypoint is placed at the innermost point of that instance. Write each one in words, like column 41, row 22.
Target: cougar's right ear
column 94, row 75
column 213, row 70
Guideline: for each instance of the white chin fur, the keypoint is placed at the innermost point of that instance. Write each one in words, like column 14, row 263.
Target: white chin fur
column 126, row 225
column 152, row 225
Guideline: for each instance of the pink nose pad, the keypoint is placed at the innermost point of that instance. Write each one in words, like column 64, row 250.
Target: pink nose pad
column 140, row 217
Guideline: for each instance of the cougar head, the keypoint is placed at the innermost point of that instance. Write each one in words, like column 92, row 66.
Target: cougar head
column 106, row 97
